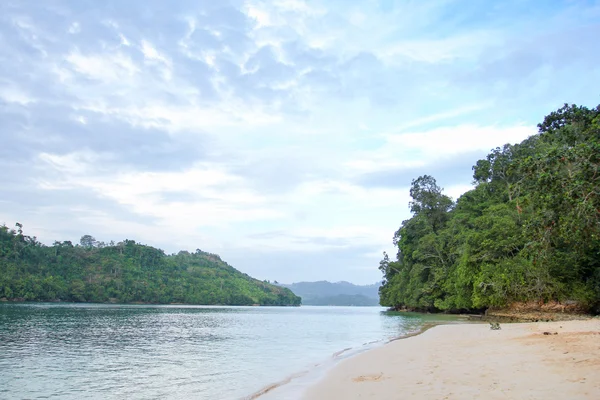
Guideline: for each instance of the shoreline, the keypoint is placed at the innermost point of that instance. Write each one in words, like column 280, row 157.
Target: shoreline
column 551, row 360
column 5, row 300
column 325, row 366
column 310, row 372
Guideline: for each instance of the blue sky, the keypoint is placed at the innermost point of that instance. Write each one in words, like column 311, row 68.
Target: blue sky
column 282, row 135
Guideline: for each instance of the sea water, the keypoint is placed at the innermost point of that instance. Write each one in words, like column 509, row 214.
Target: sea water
column 98, row 351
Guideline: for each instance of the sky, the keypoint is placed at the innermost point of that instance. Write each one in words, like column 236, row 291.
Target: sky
column 282, row 135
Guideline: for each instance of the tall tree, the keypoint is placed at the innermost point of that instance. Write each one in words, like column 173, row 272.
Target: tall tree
column 529, row 230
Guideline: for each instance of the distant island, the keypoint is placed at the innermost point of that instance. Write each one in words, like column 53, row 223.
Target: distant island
column 124, row 272
column 323, row 293
column 526, row 236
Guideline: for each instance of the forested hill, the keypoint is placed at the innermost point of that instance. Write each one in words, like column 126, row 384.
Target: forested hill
column 124, row 272
column 528, row 231
column 323, row 293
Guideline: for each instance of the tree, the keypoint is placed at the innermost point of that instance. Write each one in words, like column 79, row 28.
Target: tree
column 126, row 272
column 429, row 200
column 529, row 230
column 87, row 241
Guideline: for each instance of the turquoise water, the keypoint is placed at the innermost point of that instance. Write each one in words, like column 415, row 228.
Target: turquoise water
column 92, row 351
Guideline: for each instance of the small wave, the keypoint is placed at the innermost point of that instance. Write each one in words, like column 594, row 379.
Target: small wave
column 339, row 353
column 425, row 327
column 372, row 342
column 321, row 368
column 274, row 386
column 318, row 370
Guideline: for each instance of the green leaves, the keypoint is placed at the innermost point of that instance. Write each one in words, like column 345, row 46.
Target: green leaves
column 530, row 230
column 124, row 272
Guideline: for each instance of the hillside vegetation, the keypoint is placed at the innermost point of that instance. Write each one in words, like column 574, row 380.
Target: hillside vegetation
column 528, row 231
column 124, row 272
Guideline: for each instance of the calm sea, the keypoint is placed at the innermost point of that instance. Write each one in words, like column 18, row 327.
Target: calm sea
column 91, row 351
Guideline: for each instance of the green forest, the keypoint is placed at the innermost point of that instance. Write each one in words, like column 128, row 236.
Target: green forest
column 125, row 272
column 528, row 231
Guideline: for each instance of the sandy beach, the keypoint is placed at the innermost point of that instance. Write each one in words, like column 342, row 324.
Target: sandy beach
column 547, row 360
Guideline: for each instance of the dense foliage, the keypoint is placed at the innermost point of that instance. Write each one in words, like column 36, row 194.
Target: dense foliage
column 528, row 231
column 124, row 272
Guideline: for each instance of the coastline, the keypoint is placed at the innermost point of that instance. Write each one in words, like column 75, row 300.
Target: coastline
column 289, row 387
column 550, row 360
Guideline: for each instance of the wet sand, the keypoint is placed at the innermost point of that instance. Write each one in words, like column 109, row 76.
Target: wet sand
column 546, row 360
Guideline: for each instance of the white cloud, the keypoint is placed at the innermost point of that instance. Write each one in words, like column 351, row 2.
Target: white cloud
column 183, row 118
column 124, row 41
column 444, row 115
column 186, row 45
column 111, row 23
column 381, row 162
column 466, row 47
column 110, row 67
column 420, row 148
column 293, row 14
column 154, row 56
column 262, row 17
column 366, row 90
column 77, row 163
column 455, row 191
column 74, row 28
column 31, row 34
column 207, row 196
column 14, row 94
column 450, row 141
column 210, row 195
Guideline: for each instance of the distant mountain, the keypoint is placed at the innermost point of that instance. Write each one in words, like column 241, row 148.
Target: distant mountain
column 324, row 293
column 342, row 300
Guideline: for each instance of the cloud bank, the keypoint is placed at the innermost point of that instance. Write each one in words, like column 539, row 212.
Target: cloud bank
column 280, row 134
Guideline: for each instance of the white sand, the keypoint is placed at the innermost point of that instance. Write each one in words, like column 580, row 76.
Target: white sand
column 473, row 362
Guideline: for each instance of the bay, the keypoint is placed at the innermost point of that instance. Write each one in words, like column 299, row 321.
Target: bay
column 99, row 351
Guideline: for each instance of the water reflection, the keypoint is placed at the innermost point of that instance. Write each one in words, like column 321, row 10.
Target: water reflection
column 74, row 351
